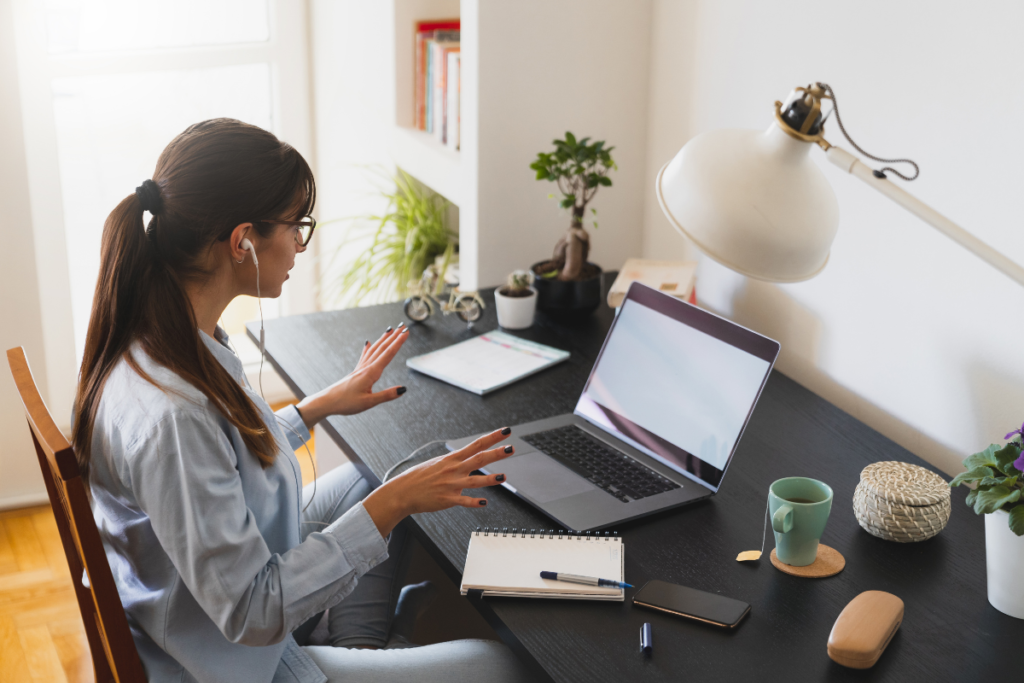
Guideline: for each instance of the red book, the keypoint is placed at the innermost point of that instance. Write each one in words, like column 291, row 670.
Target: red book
column 424, row 31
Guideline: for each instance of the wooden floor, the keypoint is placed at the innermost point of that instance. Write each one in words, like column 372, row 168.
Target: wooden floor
column 41, row 632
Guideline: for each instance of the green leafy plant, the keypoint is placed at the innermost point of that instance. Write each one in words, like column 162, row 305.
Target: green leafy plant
column 580, row 170
column 998, row 475
column 412, row 234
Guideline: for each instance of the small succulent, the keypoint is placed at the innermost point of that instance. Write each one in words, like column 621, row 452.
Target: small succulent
column 518, row 285
column 519, row 281
column 998, row 473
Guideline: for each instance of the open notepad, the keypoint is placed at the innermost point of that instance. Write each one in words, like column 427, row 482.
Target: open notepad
column 509, row 564
column 487, row 362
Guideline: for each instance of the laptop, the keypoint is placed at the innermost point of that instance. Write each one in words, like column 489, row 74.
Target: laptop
column 658, row 421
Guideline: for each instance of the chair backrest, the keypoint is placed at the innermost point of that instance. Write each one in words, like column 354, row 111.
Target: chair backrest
column 114, row 655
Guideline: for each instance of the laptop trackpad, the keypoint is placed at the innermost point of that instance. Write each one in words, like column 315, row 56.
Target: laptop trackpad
column 541, row 478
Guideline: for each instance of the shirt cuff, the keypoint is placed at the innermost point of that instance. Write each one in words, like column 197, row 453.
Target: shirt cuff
column 359, row 539
column 296, row 431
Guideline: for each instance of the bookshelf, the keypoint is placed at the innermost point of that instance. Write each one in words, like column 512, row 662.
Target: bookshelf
column 429, row 161
column 531, row 69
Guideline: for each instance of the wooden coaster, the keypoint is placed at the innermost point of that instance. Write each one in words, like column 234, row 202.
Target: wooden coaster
column 829, row 562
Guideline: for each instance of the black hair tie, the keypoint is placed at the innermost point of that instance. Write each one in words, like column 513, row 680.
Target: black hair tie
column 149, row 197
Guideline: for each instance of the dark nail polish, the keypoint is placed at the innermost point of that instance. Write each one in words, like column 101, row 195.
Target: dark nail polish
column 367, row 343
column 508, row 449
column 402, row 390
column 483, row 502
column 500, row 477
column 388, row 331
column 506, row 431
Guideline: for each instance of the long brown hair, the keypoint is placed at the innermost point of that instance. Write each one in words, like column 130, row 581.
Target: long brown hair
column 212, row 177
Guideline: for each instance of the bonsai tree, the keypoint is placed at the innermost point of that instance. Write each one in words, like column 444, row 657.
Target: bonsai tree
column 579, row 169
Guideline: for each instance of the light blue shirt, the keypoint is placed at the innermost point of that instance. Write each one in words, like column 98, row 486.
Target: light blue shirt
column 204, row 544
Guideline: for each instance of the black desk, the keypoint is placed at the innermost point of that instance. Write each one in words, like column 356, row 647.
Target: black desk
column 949, row 633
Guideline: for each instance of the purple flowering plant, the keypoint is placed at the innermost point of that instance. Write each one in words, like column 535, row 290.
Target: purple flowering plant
column 998, row 475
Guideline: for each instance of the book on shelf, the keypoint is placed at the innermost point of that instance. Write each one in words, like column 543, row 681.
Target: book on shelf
column 672, row 277
column 427, row 33
column 452, row 111
column 438, row 68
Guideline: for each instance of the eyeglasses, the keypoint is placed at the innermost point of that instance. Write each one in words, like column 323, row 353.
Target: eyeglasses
column 304, row 231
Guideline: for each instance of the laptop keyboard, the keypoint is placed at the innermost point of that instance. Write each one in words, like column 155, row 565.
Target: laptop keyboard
column 615, row 473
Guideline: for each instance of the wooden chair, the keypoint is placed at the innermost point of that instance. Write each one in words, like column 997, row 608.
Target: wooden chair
column 114, row 655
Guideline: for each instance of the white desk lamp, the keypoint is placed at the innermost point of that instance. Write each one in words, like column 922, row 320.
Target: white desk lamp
column 757, row 204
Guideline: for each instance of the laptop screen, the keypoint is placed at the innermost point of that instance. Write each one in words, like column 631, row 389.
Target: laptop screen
column 677, row 382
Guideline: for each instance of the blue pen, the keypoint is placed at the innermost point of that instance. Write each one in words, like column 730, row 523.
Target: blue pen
column 589, row 580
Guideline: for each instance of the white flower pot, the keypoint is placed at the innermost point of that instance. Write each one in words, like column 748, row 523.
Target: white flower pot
column 515, row 312
column 1004, row 557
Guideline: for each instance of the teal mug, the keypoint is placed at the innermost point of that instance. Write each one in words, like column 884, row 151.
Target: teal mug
column 799, row 508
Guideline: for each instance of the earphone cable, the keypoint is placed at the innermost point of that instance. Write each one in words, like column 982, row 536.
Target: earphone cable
column 312, row 460
column 391, row 470
column 259, row 301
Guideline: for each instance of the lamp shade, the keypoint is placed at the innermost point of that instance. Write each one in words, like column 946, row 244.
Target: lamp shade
column 754, row 202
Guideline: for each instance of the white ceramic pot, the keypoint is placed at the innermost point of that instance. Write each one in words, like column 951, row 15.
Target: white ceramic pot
column 1004, row 557
column 515, row 312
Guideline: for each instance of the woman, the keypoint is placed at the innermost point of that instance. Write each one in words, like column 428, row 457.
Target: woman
column 222, row 561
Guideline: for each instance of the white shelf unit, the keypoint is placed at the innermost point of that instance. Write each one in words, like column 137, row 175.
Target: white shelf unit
column 432, row 163
column 531, row 70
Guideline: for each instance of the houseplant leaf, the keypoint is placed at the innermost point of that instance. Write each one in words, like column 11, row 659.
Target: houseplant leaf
column 976, row 474
column 395, row 247
column 1005, row 456
column 994, row 498
column 1017, row 520
column 982, row 459
column 1009, row 482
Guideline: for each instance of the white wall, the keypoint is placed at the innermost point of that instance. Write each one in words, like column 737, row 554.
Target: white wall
column 352, row 46
column 20, row 320
column 904, row 329
column 545, row 68
column 354, row 111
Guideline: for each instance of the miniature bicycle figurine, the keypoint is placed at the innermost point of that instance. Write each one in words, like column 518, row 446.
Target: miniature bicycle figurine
column 427, row 295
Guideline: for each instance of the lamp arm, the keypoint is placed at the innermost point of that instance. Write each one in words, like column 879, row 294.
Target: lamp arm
column 852, row 165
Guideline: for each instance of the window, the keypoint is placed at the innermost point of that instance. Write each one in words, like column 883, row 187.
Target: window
column 106, row 84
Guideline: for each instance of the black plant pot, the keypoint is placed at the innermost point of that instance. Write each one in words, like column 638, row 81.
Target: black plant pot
column 568, row 300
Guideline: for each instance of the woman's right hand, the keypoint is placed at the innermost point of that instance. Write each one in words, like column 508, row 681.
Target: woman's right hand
column 437, row 484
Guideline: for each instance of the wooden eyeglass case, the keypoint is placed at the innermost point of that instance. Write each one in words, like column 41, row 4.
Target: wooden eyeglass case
column 864, row 629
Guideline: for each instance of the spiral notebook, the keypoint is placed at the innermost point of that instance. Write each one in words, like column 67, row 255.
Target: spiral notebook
column 509, row 563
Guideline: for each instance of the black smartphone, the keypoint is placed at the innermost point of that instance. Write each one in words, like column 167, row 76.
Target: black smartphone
column 691, row 603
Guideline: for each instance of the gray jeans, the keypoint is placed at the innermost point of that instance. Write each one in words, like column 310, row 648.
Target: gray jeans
column 364, row 617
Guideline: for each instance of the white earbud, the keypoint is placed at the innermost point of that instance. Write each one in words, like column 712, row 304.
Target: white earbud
column 246, row 244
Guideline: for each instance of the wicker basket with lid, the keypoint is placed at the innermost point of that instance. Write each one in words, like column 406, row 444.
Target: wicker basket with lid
column 901, row 502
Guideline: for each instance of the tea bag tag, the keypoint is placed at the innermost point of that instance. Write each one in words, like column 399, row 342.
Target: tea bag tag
column 754, row 555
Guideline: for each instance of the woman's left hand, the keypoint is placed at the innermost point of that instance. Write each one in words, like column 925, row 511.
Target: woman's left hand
column 355, row 393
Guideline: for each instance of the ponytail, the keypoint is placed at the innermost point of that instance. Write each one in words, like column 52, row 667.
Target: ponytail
column 139, row 294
